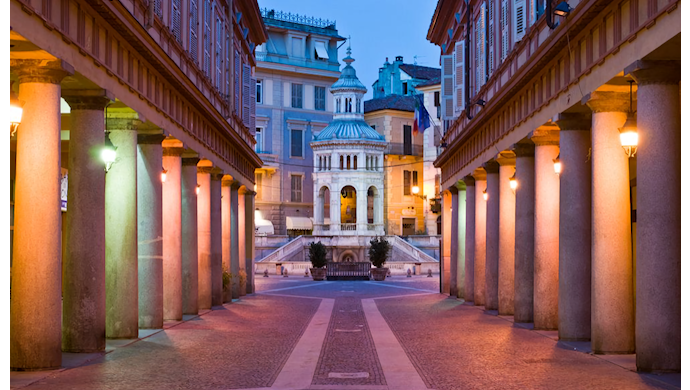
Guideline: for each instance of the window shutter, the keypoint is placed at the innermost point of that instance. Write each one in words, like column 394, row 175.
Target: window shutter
column 157, row 8
column 482, row 44
column 532, row 12
column 238, row 66
column 406, row 182
column 176, row 18
column 207, row 38
column 490, row 33
column 252, row 105
column 518, row 20
column 227, row 66
column 447, row 86
column 193, row 26
column 246, row 93
column 504, row 29
column 477, row 54
column 459, row 96
column 219, row 53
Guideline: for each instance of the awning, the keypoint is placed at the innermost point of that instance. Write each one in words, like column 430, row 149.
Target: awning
column 263, row 226
column 321, row 52
column 298, row 223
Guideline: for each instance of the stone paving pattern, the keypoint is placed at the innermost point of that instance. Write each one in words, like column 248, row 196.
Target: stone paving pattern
column 455, row 346
column 348, row 347
column 242, row 345
column 246, row 343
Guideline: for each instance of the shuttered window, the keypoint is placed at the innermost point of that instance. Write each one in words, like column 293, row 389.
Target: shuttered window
column 407, row 140
column 296, row 188
column 252, row 105
column 415, row 181
column 407, row 180
column 247, row 86
column 157, row 8
column 177, row 20
column 207, row 37
column 297, row 90
column 193, row 26
column 320, row 98
column 227, row 66
column 490, row 37
column 459, row 61
column 296, row 149
column 237, row 78
column 518, row 20
column 505, row 45
column 219, row 53
column 447, row 71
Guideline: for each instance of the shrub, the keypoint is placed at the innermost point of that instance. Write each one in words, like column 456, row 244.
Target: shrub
column 227, row 280
column 317, row 254
column 378, row 251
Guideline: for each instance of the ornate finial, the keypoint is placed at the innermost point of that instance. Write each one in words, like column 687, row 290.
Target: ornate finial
column 348, row 60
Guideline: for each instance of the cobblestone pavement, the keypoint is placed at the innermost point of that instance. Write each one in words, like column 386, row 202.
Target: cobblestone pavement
column 299, row 332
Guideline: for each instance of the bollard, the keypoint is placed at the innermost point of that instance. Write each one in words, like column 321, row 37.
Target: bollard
column 428, row 275
column 285, row 272
column 409, row 273
column 266, row 273
column 306, row 272
column 388, row 275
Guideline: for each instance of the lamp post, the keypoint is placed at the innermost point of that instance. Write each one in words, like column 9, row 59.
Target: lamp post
column 15, row 112
column 557, row 164
column 513, row 183
column 108, row 154
column 629, row 130
column 164, row 175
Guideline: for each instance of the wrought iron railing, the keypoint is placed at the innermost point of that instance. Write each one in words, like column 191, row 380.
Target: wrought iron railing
column 403, row 149
column 297, row 18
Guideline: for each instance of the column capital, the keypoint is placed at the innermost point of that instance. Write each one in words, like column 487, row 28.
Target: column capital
column 607, row 101
column 524, row 149
column 249, row 193
column 491, row 166
column 453, row 189
column 41, row 71
column 151, row 139
column 545, row 137
column 87, row 99
column 233, row 184
column 654, row 72
column 204, row 169
column 172, row 151
column 469, row 181
column 574, row 121
column 506, row 158
column 217, row 174
column 479, row 174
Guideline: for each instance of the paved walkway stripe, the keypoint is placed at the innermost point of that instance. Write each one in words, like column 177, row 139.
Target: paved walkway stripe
column 397, row 367
column 290, row 288
column 298, row 371
column 403, row 287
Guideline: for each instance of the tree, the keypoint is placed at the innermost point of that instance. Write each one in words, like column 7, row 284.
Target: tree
column 378, row 251
column 317, row 254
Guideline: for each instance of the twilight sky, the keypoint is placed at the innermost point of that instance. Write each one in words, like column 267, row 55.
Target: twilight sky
column 379, row 29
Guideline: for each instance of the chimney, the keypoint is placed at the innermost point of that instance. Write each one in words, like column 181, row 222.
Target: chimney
column 399, row 59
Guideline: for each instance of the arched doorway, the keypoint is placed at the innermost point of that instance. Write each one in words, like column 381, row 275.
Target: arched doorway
column 348, row 208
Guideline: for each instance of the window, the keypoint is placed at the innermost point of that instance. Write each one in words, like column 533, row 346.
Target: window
column 320, row 98
column 297, row 90
column 193, row 25
column 359, row 102
column 259, row 91
column 355, row 162
column 176, row 20
column 404, row 85
column 407, row 179
column 296, row 143
column 337, row 105
column 437, row 99
column 348, row 104
column 414, row 179
column 296, row 188
column 320, row 52
column 373, row 127
column 207, row 38
column 259, row 147
column 297, row 47
column 341, row 162
column 407, row 139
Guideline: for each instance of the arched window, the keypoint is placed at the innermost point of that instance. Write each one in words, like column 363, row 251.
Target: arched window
column 320, row 163
column 341, row 162
column 355, row 163
column 348, row 161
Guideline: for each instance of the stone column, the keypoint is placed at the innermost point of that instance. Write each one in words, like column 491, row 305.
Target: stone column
column 446, row 238
column 203, row 199
column 121, row 255
column 524, row 232
column 216, row 240
column 335, row 210
column 453, row 291
column 150, row 230
column 240, row 241
column 470, row 212
column 190, row 236
column 546, row 199
column 658, row 216
column 362, row 207
column 575, row 229
column 84, row 288
column 227, row 248
column 35, row 307
column 492, row 239
column 462, row 201
column 613, row 322
column 172, row 234
column 235, row 239
column 479, row 239
column 506, row 232
column 249, row 239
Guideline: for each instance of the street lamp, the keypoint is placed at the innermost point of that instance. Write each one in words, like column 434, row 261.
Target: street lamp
column 557, row 164
column 513, row 182
column 198, row 186
column 164, row 175
column 108, row 154
column 15, row 112
column 415, row 190
column 629, row 130
column 485, row 195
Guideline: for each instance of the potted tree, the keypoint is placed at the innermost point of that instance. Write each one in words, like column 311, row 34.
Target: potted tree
column 317, row 256
column 378, row 253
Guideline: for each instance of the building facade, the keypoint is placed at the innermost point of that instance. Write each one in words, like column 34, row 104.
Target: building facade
column 295, row 69
column 164, row 90
column 560, row 217
column 411, row 180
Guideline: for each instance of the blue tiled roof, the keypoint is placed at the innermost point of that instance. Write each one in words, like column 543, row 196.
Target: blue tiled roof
column 349, row 130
